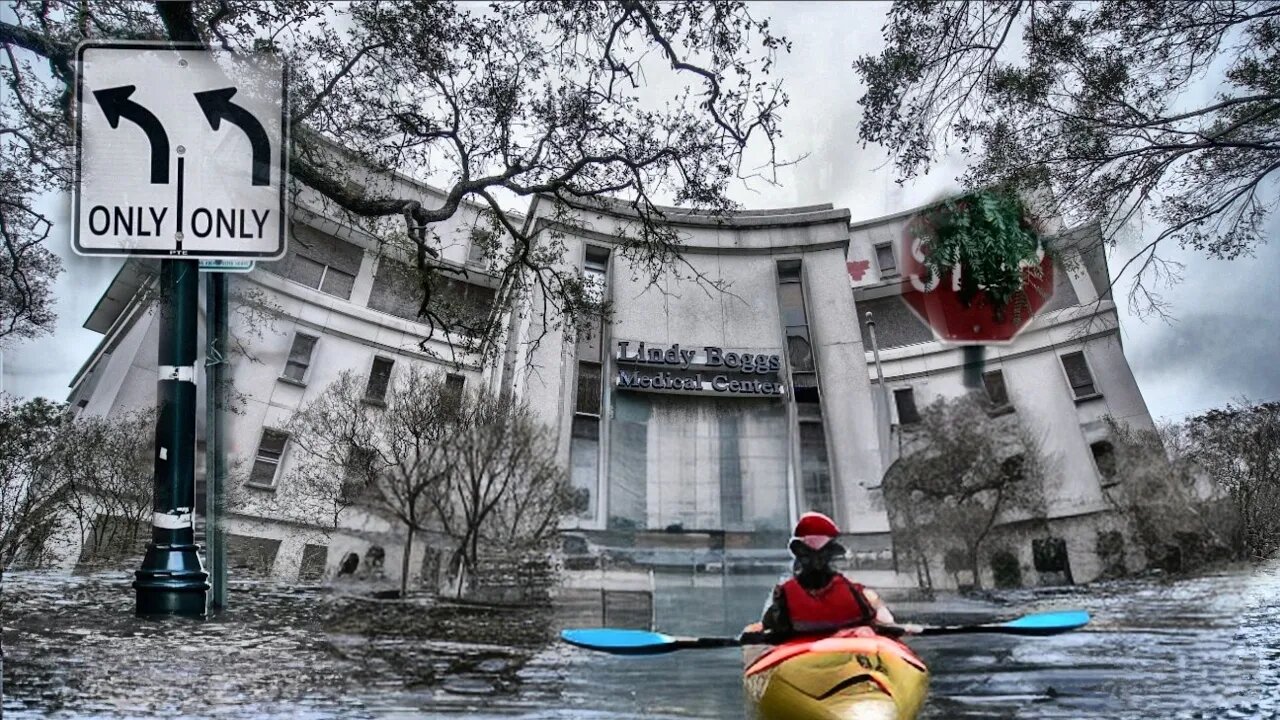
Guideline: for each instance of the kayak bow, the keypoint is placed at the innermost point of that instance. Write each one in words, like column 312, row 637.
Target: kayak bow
column 852, row 675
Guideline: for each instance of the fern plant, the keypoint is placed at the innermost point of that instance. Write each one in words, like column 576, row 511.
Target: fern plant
column 991, row 236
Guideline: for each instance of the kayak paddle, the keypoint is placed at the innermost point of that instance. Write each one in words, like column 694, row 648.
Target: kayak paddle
column 644, row 642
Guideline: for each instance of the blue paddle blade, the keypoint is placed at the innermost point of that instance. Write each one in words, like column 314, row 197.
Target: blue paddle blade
column 1050, row 622
column 620, row 641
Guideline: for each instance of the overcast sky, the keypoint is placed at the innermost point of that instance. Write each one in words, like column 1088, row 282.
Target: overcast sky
column 1222, row 345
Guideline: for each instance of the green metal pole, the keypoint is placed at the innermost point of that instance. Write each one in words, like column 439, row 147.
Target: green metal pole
column 215, row 437
column 171, row 580
column 218, row 379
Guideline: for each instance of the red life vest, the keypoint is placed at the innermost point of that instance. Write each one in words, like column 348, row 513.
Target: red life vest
column 840, row 603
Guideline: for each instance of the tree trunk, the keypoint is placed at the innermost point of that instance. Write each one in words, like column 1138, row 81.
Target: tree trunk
column 404, row 564
column 974, row 565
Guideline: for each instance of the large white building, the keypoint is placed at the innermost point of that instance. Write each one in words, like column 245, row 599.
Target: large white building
column 696, row 424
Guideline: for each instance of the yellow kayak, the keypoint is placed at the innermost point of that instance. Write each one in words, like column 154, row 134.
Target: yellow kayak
column 852, row 675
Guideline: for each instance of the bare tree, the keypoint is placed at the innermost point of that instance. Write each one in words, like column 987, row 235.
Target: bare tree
column 1096, row 101
column 962, row 474
column 1175, row 512
column 511, row 100
column 477, row 468
column 108, row 465
column 1239, row 447
column 32, row 494
column 391, row 459
column 506, row 489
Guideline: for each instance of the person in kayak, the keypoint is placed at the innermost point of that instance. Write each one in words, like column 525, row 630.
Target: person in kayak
column 817, row 598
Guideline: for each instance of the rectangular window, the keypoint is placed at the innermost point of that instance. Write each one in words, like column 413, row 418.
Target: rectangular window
column 588, row 400
column 299, row 357
column 1078, row 374
column 337, row 283
column 885, row 260
column 317, row 275
column 584, row 464
column 595, row 269
column 359, row 471
column 453, row 386
column 267, row 461
column 1104, row 456
column 379, row 379
column 476, row 254
column 905, row 400
column 306, row 271
column 815, row 469
column 997, row 393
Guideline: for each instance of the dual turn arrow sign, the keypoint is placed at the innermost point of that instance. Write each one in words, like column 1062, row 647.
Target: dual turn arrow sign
column 180, row 152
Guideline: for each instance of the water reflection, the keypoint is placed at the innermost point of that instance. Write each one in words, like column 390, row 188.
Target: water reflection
column 1198, row 648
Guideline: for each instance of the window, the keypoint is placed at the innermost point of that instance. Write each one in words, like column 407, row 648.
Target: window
column 299, row 357
column 584, row 463
column 476, row 254
column 584, row 445
column 885, row 260
column 319, row 261
column 379, row 379
column 316, row 274
column 795, row 320
column 270, row 448
column 359, row 471
column 997, row 393
column 1078, row 375
column 1104, row 456
column 453, row 385
column 595, row 269
column 337, row 283
column 905, row 400
column 588, row 400
column 815, row 468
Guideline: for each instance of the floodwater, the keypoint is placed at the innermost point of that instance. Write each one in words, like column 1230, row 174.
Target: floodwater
column 1206, row 647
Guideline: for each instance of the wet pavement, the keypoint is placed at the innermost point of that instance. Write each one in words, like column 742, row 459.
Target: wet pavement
column 1206, row 647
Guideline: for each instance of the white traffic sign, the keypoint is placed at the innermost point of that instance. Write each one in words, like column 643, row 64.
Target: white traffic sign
column 180, row 151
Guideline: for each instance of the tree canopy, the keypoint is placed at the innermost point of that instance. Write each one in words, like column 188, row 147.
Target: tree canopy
column 1106, row 103
column 640, row 100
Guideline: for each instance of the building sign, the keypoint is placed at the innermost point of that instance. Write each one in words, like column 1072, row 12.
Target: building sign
column 709, row 369
column 180, row 151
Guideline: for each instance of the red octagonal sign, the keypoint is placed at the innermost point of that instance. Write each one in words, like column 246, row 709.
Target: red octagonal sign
column 938, row 303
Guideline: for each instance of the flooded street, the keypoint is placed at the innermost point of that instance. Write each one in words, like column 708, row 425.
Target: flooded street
column 1205, row 647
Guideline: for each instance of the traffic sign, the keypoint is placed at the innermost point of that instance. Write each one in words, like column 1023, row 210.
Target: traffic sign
column 937, row 301
column 181, row 151
column 221, row 265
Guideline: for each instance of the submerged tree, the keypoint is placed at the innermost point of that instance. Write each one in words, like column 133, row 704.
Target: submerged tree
column 510, row 100
column 473, row 467
column 1175, row 512
column 961, row 475
column 1238, row 446
column 32, row 493
column 1121, row 108
column 506, row 490
column 108, row 463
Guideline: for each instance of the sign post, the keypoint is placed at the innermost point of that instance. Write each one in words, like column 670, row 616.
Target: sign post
column 181, row 153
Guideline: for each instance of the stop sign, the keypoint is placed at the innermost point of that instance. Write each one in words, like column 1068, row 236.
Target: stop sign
column 938, row 304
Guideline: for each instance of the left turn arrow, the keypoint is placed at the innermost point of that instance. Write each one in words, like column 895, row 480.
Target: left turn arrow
column 217, row 106
column 115, row 104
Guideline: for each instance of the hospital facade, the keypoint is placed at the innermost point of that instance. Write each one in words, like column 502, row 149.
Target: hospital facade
column 714, row 404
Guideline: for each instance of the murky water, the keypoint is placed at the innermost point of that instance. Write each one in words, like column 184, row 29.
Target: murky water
column 1196, row 648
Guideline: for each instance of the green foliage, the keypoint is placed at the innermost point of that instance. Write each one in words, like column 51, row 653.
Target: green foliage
column 990, row 236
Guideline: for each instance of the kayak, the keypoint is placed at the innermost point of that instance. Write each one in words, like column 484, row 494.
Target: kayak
column 852, row 675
